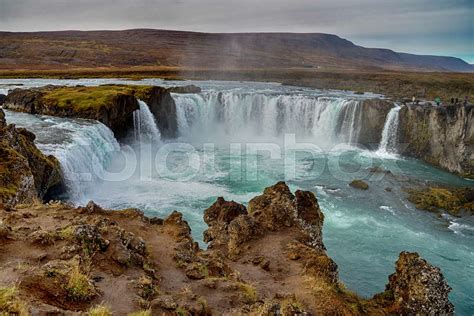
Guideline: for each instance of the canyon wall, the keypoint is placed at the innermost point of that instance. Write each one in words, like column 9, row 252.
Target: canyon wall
column 440, row 136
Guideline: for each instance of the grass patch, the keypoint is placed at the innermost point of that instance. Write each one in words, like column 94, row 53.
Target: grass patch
column 91, row 98
column 100, row 310
column 79, row 287
column 249, row 291
column 141, row 313
column 10, row 304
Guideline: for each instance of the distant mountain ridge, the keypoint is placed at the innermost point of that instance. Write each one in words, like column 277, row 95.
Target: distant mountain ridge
column 149, row 47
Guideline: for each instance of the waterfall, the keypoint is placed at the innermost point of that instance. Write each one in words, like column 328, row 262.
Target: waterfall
column 144, row 124
column 247, row 116
column 389, row 142
column 84, row 159
column 83, row 148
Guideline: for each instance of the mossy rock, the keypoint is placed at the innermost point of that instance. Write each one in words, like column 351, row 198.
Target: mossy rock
column 91, row 98
column 454, row 201
column 359, row 184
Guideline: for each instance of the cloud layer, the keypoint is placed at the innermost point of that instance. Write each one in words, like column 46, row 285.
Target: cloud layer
column 422, row 26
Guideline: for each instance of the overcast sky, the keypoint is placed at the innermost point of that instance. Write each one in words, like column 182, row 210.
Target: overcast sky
column 439, row 27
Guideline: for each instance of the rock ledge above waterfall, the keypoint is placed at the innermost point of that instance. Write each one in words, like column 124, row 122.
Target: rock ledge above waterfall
column 113, row 105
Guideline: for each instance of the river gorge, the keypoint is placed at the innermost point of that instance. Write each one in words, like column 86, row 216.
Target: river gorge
column 235, row 139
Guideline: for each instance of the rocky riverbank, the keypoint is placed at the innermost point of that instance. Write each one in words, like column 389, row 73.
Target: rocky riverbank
column 265, row 259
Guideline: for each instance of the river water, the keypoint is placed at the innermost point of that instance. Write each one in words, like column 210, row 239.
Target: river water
column 237, row 138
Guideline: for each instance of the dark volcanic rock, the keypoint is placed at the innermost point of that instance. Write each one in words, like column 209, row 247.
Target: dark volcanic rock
column 163, row 107
column 185, row 89
column 372, row 120
column 2, row 99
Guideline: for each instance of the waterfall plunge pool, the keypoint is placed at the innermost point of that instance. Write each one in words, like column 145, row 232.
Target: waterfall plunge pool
column 224, row 128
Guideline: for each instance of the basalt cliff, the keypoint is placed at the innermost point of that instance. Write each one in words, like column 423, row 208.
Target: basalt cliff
column 441, row 136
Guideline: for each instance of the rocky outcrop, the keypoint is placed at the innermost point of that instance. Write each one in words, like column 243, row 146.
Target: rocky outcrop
column 455, row 201
column 115, row 111
column 265, row 261
column 441, row 136
column 112, row 105
column 185, row 89
column 26, row 175
column 418, row 288
column 372, row 120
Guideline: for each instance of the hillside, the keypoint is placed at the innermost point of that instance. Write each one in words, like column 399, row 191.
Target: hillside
column 159, row 48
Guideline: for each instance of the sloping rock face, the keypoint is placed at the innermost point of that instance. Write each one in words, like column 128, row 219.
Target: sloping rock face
column 26, row 175
column 441, row 136
column 418, row 287
column 372, row 120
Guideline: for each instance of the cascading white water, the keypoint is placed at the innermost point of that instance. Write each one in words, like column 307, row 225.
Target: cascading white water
column 144, row 124
column 83, row 147
column 238, row 117
column 389, row 142
column 85, row 158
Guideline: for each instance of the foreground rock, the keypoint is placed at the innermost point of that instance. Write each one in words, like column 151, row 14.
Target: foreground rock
column 265, row 260
column 418, row 288
column 112, row 105
column 441, row 136
column 26, row 175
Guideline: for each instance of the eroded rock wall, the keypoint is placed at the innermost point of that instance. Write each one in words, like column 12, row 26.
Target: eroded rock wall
column 441, row 136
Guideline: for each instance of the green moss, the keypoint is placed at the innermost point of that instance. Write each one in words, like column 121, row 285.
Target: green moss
column 86, row 98
column 434, row 199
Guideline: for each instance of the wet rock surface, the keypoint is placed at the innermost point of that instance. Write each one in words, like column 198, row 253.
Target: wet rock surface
column 26, row 175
